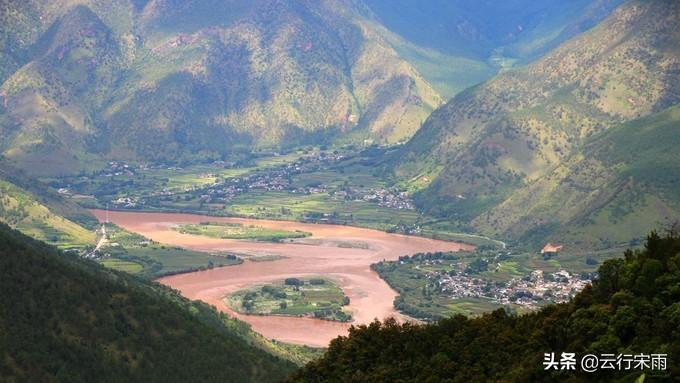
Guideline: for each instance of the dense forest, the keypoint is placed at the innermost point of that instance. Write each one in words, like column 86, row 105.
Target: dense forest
column 63, row 319
column 632, row 308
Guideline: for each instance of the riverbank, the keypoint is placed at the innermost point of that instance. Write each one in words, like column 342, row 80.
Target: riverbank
column 370, row 297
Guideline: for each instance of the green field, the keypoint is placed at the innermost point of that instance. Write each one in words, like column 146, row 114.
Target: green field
column 315, row 297
column 265, row 258
column 138, row 255
column 184, row 190
column 239, row 231
column 313, row 207
column 122, row 265
column 146, row 181
column 419, row 298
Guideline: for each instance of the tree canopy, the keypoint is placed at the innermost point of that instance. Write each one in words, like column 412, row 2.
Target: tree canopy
column 632, row 308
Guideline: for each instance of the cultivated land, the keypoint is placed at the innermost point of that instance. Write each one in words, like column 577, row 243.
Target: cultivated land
column 340, row 187
column 370, row 297
column 133, row 253
column 238, row 231
column 322, row 186
column 317, row 298
column 437, row 285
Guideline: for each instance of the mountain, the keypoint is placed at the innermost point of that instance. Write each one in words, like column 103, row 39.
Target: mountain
column 631, row 309
column 168, row 80
column 459, row 43
column 490, row 143
column 63, row 319
column 619, row 183
column 174, row 81
column 32, row 207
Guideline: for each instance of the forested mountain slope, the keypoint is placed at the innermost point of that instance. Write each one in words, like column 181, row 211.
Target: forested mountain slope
column 168, row 80
column 633, row 308
column 63, row 319
column 494, row 140
column 171, row 80
column 458, row 43
column 619, row 183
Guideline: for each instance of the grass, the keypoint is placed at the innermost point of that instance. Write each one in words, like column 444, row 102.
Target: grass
column 239, row 231
column 156, row 259
column 290, row 206
column 265, row 258
column 316, row 297
column 122, row 265
column 357, row 172
column 418, row 298
column 449, row 74
column 21, row 210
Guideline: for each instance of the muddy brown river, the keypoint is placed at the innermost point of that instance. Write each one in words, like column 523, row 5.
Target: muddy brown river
column 318, row 255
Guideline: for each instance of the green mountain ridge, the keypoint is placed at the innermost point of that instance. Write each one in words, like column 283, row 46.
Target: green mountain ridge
column 621, row 182
column 477, row 28
column 164, row 80
column 35, row 209
column 491, row 142
column 63, row 319
column 121, row 81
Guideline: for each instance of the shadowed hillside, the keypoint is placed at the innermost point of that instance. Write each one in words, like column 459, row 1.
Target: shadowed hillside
column 458, row 43
column 167, row 80
column 194, row 80
column 67, row 320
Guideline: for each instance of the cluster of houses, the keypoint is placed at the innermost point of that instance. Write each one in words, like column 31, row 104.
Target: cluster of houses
column 128, row 202
column 450, row 277
column 279, row 178
column 531, row 291
column 382, row 196
column 117, row 168
column 390, row 198
column 274, row 179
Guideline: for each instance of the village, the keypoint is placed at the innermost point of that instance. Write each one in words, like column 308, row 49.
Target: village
column 276, row 179
column 481, row 276
column 531, row 291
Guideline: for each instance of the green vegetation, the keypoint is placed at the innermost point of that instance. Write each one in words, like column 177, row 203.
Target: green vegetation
column 121, row 265
column 45, row 195
column 508, row 160
column 631, row 308
column 239, row 231
column 419, row 298
column 99, row 186
column 316, row 297
column 129, row 79
column 336, row 192
column 264, row 258
column 23, row 211
column 64, row 319
column 317, row 208
column 622, row 181
column 98, row 81
column 33, row 208
column 505, row 34
column 134, row 253
column 422, row 296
